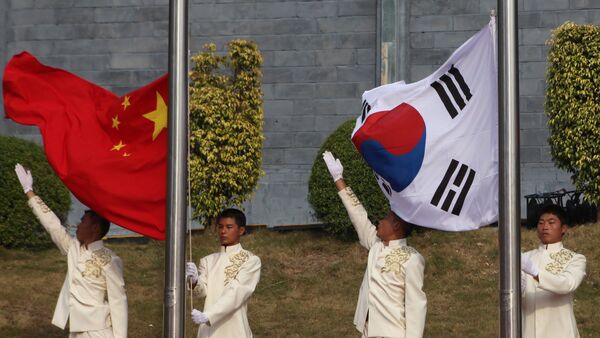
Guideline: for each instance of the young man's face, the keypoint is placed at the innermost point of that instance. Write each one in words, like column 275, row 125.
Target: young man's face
column 87, row 229
column 386, row 228
column 229, row 231
column 550, row 229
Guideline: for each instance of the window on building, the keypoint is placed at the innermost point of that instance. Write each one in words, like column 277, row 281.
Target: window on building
column 392, row 38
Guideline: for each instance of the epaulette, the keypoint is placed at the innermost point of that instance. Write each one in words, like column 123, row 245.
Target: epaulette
column 100, row 258
column 560, row 259
column 237, row 261
column 396, row 258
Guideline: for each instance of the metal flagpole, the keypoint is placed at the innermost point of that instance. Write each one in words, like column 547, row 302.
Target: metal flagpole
column 509, row 192
column 174, row 304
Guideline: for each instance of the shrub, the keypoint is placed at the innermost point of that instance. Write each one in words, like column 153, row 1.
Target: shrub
column 226, row 122
column 573, row 105
column 322, row 193
column 18, row 226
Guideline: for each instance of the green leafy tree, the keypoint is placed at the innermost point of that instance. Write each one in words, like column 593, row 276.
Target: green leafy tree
column 18, row 226
column 573, row 104
column 226, row 122
column 322, row 193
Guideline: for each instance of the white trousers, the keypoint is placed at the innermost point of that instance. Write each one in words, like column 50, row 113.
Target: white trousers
column 365, row 334
column 105, row 333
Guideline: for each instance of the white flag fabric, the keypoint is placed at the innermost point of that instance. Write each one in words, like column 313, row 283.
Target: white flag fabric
column 433, row 144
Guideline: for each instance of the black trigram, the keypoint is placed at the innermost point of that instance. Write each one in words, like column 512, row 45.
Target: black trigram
column 384, row 184
column 458, row 98
column 463, row 189
column 366, row 107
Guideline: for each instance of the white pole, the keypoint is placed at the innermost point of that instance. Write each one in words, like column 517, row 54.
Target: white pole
column 509, row 221
column 174, row 298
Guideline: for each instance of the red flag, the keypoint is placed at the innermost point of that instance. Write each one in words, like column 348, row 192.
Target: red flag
column 110, row 151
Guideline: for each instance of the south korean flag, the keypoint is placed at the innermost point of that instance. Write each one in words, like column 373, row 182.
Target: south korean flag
column 433, row 144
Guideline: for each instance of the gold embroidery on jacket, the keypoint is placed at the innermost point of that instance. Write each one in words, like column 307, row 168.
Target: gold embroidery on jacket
column 41, row 204
column 237, row 261
column 560, row 260
column 94, row 265
column 353, row 198
column 397, row 257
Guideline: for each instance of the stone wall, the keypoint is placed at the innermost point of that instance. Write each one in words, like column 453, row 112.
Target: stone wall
column 319, row 56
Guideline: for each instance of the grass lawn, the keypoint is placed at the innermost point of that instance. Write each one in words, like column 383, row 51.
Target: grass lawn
column 309, row 284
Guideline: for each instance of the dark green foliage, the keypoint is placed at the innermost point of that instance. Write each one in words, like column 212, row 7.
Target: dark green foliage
column 322, row 193
column 18, row 226
column 573, row 105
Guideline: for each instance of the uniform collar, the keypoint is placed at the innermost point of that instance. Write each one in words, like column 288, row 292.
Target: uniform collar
column 231, row 248
column 552, row 247
column 95, row 245
column 397, row 242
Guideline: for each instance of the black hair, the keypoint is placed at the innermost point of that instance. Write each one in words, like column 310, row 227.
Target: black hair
column 237, row 215
column 555, row 210
column 406, row 226
column 101, row 221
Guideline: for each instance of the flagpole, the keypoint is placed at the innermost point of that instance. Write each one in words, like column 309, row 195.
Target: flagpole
column 509, row 220
column 174, row 301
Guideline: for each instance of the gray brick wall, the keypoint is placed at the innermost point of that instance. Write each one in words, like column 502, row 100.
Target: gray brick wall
column 3, row 25
column 319, row 56
column 438, row 27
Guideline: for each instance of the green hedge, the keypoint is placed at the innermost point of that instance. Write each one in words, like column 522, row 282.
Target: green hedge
column 18, row 225
column 573, row 104
column 322, row 193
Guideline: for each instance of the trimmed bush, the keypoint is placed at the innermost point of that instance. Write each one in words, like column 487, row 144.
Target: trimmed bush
column 226, row 122
column 573, row 105
column 322, row 193
column 18, row 226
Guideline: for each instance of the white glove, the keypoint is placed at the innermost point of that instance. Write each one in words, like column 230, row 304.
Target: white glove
column 199, row 317
column 25, row 178
column 528, row 266
column 191, row 272
column 333, row 165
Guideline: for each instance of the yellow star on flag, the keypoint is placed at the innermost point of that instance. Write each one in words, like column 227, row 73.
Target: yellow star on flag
column 118, row 147
column 126, row 154
column 116, row 122
column 125, row 102
column 158, row 116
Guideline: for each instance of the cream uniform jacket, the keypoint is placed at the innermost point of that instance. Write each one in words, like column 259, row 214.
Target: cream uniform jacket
column 227, row 279
column 391, row 293
column 93, row 295
column 547, row 305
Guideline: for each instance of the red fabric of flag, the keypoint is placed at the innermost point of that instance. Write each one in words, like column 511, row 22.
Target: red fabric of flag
column 110, row 151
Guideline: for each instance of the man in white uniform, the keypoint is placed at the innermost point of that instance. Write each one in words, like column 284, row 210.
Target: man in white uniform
column 550, row 275
column 391, row 302
column 92, row 297
column 227, row 279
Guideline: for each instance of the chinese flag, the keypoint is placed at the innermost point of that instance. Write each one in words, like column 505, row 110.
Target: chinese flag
column 110, row 151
